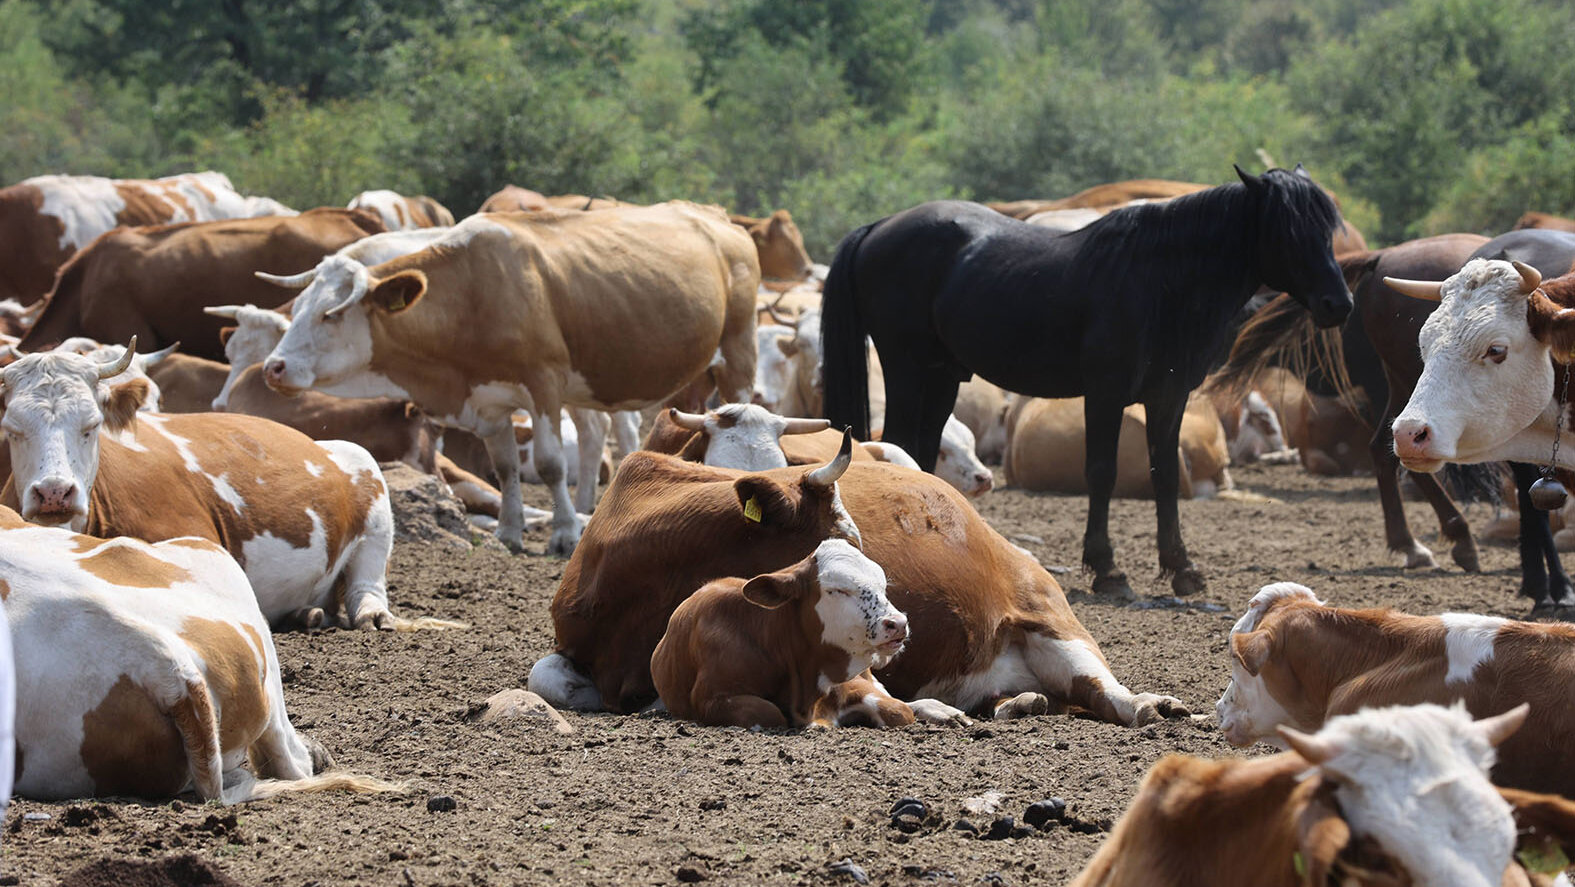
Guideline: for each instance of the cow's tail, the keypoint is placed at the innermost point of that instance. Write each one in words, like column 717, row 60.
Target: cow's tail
column 427, row 623
column 845, row 362
column 250, row 788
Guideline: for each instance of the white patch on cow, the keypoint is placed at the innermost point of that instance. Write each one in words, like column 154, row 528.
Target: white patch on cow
column 1468, row 643
column 891, row 453
column 744, row 436
column 1266, row 597
column 1008, row 675
column 937, row 712
column 855, row 614
column 314, row 469
column 227, row 493
column 958, row 462
column 220, row 483
column 383, row 202
column 296, row 577
column 555, row 679
column 85, row 205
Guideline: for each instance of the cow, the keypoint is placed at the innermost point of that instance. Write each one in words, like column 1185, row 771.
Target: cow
column 768, row 651
column 1045, row 449
column 1544, row 220
column 1389, row 796
column 146, row 669
column 991, row 629
column 1297, row 662
column 401, row 213
column 779, row 245
column 1252, row 426
column 152, row 282
column 45, row 219
column 308, row 521
column 527, row 310
column 1490, row 353
column 982, row 407
column 1330, row 435
column 513, row 198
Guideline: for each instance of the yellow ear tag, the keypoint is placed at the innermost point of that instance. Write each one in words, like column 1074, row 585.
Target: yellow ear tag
column 397, row 306
column 752, row 510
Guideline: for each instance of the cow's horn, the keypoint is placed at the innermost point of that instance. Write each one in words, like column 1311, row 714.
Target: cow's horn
column 1530, row 278
column 228, row 312
column 362, row 283
column 1426, row 290
column 119, row 366
column 827, row 474
column 1315, row 749
column 1500, row 727
column 294, row 281
column 690, row 421
column 789, row 322
column 153, row 357
column 806, row 426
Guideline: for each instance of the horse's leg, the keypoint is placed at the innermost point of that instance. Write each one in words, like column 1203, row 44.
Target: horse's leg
column 1102, row 431
column 1451, row 523
column 1542, row 577
column 910, row 399
column 1386, row 470
column 1164, row 438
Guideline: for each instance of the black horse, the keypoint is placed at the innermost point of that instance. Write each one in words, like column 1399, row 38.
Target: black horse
column 1133, row 308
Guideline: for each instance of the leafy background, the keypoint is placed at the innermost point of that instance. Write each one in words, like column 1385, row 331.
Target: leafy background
column 1424, row 116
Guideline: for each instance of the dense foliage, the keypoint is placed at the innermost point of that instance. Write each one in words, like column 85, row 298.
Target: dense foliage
column 1422, row 115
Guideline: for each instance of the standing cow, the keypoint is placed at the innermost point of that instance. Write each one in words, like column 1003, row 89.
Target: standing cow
column 611, row 310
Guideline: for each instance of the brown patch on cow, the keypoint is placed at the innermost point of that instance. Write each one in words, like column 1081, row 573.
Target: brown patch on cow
column 131, row 747
column 120, row 563
column 189, row 542
column 1543, row 308
column 234, row 677
column 5, row 590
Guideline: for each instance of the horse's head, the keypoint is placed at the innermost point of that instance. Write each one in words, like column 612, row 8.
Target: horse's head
column 1296, row 220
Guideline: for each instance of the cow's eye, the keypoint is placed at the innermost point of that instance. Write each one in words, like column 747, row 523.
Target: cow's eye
column 1496, row 353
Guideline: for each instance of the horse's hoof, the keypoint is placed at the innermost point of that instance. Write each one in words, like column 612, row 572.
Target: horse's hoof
column 1188, row 580
column 1465, row 554
column 1114, row 585
column 1543, row 609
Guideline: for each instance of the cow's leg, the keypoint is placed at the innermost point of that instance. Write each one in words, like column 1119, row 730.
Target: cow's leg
column 735, row 377
column 549, row 465
column 504, row 451
column 279, row 752
column 1386, row 468
column 555, row 679
column 625, row 432
column 592, row 426
column 1164, row 440
column 1075, row 671
column 742, row 710
column 1102, row 424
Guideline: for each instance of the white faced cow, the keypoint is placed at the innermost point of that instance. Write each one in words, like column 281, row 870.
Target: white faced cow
column 608, row 310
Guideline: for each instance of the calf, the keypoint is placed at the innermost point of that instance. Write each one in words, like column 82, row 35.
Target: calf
column 401, row 213
column 1296, row 662
column 1394, row 796
column 307, row 520
column 770, row 651
column 146, row 670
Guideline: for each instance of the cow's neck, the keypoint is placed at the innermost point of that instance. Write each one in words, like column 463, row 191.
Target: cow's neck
column 1534, row 443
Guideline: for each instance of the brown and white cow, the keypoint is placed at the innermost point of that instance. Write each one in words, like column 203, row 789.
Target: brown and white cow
column 772, row 651
column 1491, row 353
column 1330, row 437
column 982, row 407
column 1381, row 798
column 1296, row 662
column 1544, row 220
column 779, row 245
column 1045, row 449
column 990, row 627
column 308, row 521
column 45, row 219
column 153, row 282
column 532, row 310
column 146, row 670
column 401, row 213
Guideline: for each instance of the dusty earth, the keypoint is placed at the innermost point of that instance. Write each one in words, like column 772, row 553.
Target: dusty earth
column 649, row 800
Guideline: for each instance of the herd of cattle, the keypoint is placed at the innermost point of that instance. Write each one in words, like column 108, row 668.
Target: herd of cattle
column 201, row 386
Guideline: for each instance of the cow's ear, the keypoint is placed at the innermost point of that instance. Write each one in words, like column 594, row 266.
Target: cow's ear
column 225, row 333
column 772, row 590
column 1251, row 649
column 1322, row 833
column 764, row 501
column 787, row 345
column 120, row 408
column 1550, row 322
column 396, row 293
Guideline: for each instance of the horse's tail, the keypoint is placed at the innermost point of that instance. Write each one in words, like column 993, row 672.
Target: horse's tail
column 844, row 359
column 1283, row 334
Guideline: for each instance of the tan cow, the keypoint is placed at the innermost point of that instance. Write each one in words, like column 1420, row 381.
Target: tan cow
column 310, row 522
column 153, row 282
column 44, row 220
column 991, row 629
column 1330, row 437
column 1296, row 662
column 146, row 670
column 532, row 310
column 779, row 244
column 1045, row 449
column 981, row 406
column 401, row 213
column 771, row 651
column 1383, row 798
column 1545, row 220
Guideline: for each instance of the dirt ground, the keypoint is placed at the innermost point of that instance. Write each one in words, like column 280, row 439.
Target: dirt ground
column 649, row 800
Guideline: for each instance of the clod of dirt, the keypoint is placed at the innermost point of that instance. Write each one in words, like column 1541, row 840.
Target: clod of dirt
column 847, row 869
column 77, row 817
column 1041, row 813
column 514, row 704
column 425, row 510
column 987, row 804
column 692, row 875
column 172, row 871
column 441, row 804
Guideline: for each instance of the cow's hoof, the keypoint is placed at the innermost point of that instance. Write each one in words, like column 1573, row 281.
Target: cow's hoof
column 935, row 711
column 309, row 618
column 1021, row 706
column 1188, row 580
column 563, row 542
column 321, row 759
column 1150, row 707
column 1114, row 585
column 1419, row 558
column 1465, row 554
column 377, row 620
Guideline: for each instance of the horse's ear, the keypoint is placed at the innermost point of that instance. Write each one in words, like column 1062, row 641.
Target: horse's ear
column 1253, row 183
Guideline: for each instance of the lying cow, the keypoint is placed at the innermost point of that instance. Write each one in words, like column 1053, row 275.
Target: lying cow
column 401, row 213
column 146, row 670
column 525, row 310
column 991, row 629
column 770, row 651
column 1296, row 662
column 1331, row 438
column 1045, row 450
column 982, row 407
column 303, row 518
column 1390, row 796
